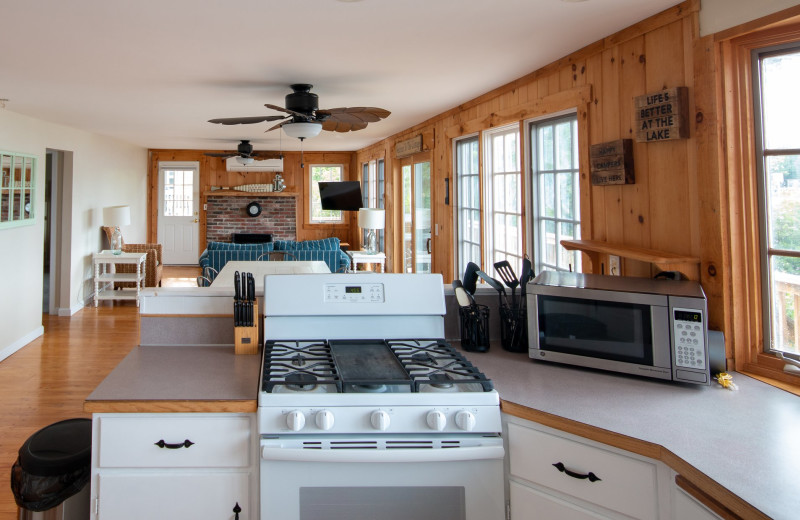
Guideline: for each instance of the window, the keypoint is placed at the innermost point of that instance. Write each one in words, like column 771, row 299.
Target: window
column 467, row 203
column 178, row 192
column 503, row 197
column 17, row 187
column 776, row 75
column 556, row 210
column 323, row 172
column 372, row 194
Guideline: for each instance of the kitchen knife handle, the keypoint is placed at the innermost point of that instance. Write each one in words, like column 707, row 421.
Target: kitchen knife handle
column 563, row 469
column 236, row 294
column 184, row 444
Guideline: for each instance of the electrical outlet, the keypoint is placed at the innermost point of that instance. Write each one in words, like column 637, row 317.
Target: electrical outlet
column 614, row 268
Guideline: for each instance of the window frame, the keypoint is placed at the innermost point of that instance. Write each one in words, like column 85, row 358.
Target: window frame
column 456, row 194
column 373, row 194
column 762, row 153
column 535, row 195
column 311, row 184
column 489, row 212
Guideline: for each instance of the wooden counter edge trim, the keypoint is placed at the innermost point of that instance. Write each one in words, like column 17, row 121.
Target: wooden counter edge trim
column 705, row 499
column 170, row 406
column 719, row 494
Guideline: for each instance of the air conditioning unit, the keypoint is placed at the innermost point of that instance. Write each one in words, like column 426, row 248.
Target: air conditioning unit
column 232, row 164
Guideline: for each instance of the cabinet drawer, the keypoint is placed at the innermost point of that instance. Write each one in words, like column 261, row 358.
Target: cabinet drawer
column 626, row 485
column 149, row 495
column 531, row 504
column 133, row 442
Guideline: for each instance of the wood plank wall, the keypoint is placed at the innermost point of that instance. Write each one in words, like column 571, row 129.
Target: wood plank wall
column 662, row 210
column 213, row 173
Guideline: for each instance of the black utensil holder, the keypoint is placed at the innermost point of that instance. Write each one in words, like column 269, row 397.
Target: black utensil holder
column 474, row 328
column 514, row 328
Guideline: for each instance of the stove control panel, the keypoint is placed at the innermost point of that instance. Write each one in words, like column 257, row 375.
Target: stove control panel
column 354, row 293
column 379, row 419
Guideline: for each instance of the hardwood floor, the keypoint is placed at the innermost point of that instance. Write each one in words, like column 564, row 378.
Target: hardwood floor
column 47, row 380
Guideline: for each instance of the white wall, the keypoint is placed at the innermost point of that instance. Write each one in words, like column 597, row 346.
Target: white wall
column 718, row 15
column 105, row 172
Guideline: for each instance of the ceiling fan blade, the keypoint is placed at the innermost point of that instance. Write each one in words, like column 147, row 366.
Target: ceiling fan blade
column 274, row 127
column 332, row 125
column 224, row 155
column 266, row 155
column 354, row 114
column 243, row 120
column 286, row 110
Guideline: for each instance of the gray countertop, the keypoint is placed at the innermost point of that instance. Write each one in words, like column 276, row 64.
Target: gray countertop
column 746, row 440
column 201, row 377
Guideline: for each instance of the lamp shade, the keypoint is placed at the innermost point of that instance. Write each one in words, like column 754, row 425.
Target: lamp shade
column 115, row 216
column 371, row 218
column 302, row 130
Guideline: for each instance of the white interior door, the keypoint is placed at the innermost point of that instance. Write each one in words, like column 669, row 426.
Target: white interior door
column 178, row 212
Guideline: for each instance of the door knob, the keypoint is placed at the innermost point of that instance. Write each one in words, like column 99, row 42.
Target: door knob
column 196, row 220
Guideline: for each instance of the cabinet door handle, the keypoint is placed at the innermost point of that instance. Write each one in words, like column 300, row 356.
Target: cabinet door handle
column 184, row 444
column 563, row 469
column 236, row 510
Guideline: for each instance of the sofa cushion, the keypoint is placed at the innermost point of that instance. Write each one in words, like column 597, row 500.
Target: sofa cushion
column 323, row 244
column 264, row 247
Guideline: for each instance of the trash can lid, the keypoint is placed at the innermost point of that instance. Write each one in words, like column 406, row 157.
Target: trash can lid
column 59, row 448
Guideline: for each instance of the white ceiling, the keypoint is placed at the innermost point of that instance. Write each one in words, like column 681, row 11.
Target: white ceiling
column 152, row 72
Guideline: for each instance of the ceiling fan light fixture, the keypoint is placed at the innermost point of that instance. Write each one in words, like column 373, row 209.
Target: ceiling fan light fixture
column 245, row 160
column 302, row 130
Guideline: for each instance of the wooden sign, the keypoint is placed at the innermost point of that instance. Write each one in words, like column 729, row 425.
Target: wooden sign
column 408, row 147
column 612, row 162
column 662, row 115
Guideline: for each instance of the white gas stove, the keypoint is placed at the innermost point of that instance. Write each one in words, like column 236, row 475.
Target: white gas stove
column 355, row 372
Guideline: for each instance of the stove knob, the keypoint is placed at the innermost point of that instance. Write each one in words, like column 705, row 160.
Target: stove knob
column 436, row 420
column 465, row 420
column 380, row 420
column 324, row 419
column 295, row 420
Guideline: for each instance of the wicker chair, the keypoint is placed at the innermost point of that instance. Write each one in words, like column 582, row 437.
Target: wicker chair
column 153, row 263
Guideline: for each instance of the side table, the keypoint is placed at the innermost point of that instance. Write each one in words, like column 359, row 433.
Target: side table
column 105, row 274
column 362, row 257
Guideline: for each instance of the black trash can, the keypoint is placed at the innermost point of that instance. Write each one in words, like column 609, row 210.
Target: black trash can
column 51, row 475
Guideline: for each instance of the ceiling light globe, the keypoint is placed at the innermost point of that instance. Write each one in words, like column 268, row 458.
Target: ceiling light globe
column 302, row 130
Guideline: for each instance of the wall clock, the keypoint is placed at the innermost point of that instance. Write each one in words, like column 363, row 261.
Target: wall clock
column 253, row 209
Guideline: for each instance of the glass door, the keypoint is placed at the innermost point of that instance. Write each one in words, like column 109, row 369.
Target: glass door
column 416, row 177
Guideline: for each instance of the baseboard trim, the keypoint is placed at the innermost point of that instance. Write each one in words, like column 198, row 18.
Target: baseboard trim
column 24, row 340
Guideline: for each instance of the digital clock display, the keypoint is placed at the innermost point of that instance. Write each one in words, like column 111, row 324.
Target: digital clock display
column 355, row 289
column 688, row 316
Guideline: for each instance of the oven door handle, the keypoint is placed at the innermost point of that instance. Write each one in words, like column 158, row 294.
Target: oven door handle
column 394, row 455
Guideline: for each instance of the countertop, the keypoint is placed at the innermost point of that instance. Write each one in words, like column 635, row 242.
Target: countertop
column 747, row 440
column 179, row 379
column 743, row 442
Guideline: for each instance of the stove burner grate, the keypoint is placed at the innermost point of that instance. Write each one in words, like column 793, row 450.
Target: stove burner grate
column 436, row 363
column 298, row 366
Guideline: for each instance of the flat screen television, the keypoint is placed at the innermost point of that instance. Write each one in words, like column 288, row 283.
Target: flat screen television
column 343, row 195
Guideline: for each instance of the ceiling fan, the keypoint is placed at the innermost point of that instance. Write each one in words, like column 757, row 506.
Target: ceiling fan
column 244, row 153
column 304, row 119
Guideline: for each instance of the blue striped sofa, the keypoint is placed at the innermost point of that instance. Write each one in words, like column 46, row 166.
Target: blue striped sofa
column 217, row 254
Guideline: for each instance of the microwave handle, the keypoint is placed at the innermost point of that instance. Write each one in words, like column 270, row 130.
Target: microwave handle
column 379, row 456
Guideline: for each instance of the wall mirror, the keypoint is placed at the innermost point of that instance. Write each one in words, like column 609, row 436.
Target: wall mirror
column 17, row 186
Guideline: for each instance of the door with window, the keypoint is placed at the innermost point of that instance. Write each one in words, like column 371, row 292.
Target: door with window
column 416, row 184
column 178, row 212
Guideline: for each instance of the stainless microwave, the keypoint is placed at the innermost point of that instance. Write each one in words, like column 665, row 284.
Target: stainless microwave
column 642, row 326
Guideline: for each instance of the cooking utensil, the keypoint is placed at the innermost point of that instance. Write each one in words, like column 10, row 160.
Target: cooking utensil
column 496, row 285
column 462, row 296
column 524, row 278
column 508, row 276
column 251, row 292
column 237, row 300
column 470, row 280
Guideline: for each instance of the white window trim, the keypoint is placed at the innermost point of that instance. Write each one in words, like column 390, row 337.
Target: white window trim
column 311, row 220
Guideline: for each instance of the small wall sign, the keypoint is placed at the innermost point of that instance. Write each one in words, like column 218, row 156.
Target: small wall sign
column 662, row 115
column 612, row 162
column 408, row 147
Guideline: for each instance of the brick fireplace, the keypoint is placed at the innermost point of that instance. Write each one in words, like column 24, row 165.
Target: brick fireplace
column 226, row 215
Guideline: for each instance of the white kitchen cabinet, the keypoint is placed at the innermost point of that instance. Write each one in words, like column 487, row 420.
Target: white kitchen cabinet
column 182, row 465
column 554, row 475
column 686, row 507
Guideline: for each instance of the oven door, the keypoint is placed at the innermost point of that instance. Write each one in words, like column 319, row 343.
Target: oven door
column 386, row 477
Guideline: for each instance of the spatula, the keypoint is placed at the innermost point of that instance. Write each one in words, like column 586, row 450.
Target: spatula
column 463, row 297
column 508, row 276
column 470, row 280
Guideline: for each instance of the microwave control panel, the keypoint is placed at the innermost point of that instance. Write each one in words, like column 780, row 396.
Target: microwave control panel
column 354, row 293
column 690, row 347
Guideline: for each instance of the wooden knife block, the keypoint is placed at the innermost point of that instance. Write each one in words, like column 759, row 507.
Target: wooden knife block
column 246, row 339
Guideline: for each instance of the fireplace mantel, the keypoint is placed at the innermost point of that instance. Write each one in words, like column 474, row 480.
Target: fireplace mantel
column 237, row 193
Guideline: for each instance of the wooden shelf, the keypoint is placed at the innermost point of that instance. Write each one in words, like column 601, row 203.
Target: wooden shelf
column 665, row 261
column 237, row 193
